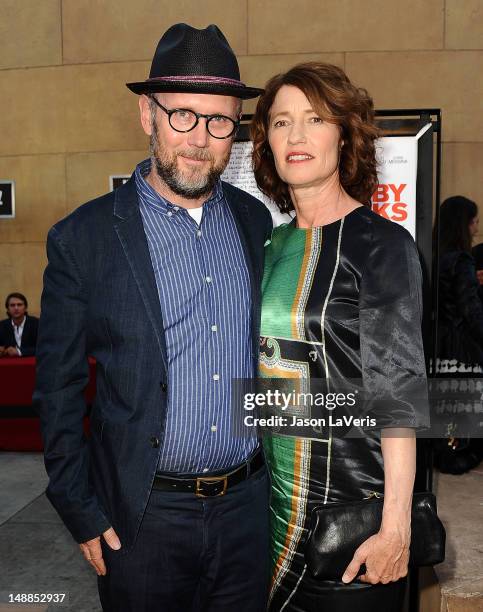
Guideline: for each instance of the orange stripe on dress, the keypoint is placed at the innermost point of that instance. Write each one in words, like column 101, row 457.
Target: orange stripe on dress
column 300, row 286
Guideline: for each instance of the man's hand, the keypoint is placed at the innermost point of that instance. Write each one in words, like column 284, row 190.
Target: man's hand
column 385, row 555
column 11, row 351
column 92, row 550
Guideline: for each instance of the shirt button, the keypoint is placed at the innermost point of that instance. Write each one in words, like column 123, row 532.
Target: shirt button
column 213, row 428
column 208, row 279
column 198, row 233
column 176, row 208
column 214, row 328
column 164, row 387
column 154, row 441
column 170, row 214
column 216, row 377
column 205, row 469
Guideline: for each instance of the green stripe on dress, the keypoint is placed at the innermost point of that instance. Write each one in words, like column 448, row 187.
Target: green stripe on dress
column 285, row 262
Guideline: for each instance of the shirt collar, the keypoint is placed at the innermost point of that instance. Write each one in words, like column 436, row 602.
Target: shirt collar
column 153, row 199
column 21, row 324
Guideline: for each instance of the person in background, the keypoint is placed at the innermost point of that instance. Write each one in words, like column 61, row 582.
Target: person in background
column 460, row 319
column 18, row 333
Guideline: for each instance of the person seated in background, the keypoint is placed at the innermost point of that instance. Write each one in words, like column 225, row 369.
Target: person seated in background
column 18, row 333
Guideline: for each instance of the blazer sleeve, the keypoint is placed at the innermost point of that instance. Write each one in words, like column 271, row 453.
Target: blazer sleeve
column 62, row 375
column 4, row 333
column 392, row 355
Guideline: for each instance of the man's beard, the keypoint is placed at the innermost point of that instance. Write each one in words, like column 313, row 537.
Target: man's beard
column 192, row 184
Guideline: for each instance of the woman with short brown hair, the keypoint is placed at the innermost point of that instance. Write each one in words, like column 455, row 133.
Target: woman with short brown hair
column 341, row 300
column 341, row 103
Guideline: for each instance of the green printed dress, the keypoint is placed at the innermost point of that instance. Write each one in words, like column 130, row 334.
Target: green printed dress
column 342, row 300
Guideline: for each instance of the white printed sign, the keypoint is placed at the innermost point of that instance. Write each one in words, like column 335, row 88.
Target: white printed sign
column 240, row 174
column 7, row 199
column 395, row 196
column 116, row 180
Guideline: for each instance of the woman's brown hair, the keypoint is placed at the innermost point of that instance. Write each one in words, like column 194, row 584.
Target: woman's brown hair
column 337, row 100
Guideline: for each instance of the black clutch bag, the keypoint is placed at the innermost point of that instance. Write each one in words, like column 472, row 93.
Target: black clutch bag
column 338, row 529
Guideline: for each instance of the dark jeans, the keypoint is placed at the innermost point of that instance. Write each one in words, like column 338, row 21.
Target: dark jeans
column 194, row 554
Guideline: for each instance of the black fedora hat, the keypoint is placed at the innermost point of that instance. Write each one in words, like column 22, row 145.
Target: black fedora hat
column 195, row 61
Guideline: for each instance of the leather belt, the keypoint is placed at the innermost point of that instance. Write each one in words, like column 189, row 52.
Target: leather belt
column 210, row 486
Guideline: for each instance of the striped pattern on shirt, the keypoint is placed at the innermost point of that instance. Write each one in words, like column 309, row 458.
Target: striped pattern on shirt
column 204, row 292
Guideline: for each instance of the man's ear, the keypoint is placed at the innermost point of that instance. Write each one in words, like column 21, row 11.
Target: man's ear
column 145, row 111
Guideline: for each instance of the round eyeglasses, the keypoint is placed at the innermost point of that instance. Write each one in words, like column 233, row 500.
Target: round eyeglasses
column 185, row 120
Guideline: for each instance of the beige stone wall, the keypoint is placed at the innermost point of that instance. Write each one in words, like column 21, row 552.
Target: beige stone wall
column 67, row 121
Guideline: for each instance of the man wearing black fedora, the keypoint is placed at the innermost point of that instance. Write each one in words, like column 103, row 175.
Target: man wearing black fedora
column 160, row 282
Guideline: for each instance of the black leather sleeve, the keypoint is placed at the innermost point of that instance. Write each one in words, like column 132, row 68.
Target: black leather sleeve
column 392, row 356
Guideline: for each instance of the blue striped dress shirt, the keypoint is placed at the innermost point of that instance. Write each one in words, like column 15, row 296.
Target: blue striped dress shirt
column 204, row 293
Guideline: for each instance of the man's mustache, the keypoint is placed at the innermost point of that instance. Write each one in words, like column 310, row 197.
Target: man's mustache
column 196, row 154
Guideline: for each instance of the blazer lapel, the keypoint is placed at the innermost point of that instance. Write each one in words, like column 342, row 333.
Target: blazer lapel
column 242, row 220
column 129, row 227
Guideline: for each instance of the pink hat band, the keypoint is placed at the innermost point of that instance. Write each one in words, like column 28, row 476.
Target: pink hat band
column 199, row 79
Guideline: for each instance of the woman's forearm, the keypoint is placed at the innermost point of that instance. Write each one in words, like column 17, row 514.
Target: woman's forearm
column 386, row 553
column 399, row 454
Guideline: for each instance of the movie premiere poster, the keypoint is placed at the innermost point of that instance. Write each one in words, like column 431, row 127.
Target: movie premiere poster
column 240, row 174
column 394, row 199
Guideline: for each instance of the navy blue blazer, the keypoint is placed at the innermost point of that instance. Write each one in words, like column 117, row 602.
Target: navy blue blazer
column 100, row 299
column 29, row 335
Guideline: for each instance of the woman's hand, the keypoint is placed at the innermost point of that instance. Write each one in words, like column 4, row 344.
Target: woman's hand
column 385, row 555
